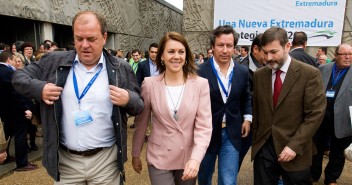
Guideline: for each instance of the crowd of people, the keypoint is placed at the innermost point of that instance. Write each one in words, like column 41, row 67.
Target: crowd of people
column 192, row 109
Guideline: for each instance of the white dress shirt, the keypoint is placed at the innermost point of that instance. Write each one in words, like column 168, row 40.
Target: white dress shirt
column 99, row 132
column 284, row 70
column 225, row 79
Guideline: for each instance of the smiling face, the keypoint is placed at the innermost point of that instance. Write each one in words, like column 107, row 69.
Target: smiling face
column 275, row 55
column 223, row 48
column 174, row 56
column 88, row 39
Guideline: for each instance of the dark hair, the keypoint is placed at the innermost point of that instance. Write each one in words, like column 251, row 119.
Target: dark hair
column 25, row 45
column 101, row 20
column 5, row 55
column 153, row 45
column 274, row 33
column 2, row 46
column 246, row 48
column 189, row 68
column 54, row 44
column 220, row 30
column 324, row 49
column 113, row 52
column 45, row 41
column 256, row 42
column 299, row 38
column 135, row 51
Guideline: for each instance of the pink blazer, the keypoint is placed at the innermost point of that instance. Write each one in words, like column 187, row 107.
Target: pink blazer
column 173, row 143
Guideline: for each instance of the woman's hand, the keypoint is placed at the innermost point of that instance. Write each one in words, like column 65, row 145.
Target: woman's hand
column 191, row 170
column 137, row 164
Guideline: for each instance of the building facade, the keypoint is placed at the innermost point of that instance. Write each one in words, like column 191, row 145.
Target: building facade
column 131, row 24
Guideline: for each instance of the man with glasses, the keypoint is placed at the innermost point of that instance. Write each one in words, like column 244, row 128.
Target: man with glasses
column 337, row 78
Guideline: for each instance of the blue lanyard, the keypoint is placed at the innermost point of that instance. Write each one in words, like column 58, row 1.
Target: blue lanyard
column 219, row 80
column 75, row 85
column 335, row 80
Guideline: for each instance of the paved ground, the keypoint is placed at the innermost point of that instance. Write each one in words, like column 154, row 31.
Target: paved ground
column 40, row 177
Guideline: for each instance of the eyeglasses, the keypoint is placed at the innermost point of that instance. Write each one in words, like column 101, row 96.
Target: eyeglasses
column 344, row 54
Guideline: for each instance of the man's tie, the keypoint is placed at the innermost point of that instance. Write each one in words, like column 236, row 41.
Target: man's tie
column 277, row 87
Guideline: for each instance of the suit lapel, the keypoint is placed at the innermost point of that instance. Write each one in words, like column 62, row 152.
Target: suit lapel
column 187, row 99
column 290, row 79
column 267, row 80
column 160, row 96
column 234, row 83
column 147, row 67
column 346, row 82
column 213, row 81
column 327, row 74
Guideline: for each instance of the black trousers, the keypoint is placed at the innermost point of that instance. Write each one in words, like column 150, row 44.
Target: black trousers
column 336, row 162
column 17, row 127
column 267, row 169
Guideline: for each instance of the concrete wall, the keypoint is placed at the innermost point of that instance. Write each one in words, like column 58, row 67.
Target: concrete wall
column 198, row 23
column 131, row 24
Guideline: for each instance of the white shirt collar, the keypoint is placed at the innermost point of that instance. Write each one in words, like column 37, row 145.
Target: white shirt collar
column 101, row 61
column 284, row 68
column 217, row 67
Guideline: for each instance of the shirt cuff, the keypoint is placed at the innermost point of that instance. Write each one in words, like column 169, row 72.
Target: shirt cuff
column 248, row 117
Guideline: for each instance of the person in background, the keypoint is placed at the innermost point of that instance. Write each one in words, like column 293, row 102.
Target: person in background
column 323, row 51
column 337, row 78
column 178, row 103
column 85, row 91
column 322, row 59
column 299, row 44
column 14, row 112
column 136, row 56
column 27, row 51
column 13, row 48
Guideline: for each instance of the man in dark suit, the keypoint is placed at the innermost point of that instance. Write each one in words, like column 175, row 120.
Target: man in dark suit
column 337, row 78
column 288, row 107
column 230, row 105
column 14, row 111
column 147, row 67
column 299, row 43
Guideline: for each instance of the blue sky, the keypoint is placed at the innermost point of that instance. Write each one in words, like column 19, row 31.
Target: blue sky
column 177, row 3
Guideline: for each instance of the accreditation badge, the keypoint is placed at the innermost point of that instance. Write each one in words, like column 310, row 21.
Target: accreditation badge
column 82, row 117
column 330, row 93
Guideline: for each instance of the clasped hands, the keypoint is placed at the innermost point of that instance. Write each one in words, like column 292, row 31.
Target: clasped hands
column 52, row 92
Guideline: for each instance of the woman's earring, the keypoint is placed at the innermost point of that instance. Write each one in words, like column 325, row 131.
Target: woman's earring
column 162, row 62
column 185, row 63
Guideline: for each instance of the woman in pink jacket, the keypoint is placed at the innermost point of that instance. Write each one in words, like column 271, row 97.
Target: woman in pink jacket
column 177, row 102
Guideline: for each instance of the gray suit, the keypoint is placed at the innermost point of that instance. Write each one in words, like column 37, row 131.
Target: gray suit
column 336, row 126
column 342, row 120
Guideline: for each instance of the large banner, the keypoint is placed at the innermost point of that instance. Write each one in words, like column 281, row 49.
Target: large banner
column 322, row 20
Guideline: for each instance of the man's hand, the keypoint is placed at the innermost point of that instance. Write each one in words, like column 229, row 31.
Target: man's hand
column 28, row 114
column 119, row 96
column 3, row 157
column 246, row 127
column 287, row 155
column 51, row 93
column 137, row 164
column 191, row 170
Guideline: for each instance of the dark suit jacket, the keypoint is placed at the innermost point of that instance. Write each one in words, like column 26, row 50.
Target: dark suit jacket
column 296, row 117
column 143, row 71
column 342, row 120
column 12, row 104
column 301, row 55
column 237, row 105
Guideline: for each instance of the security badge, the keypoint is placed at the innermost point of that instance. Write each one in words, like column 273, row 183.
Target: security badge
column 82, row 117
column 330, row 93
